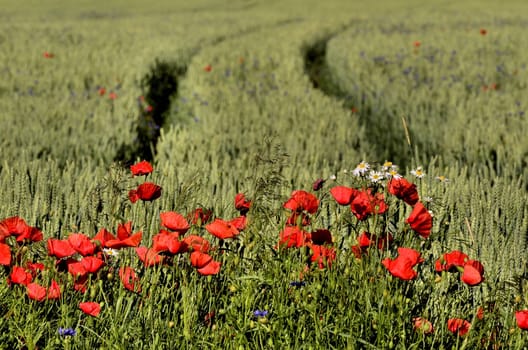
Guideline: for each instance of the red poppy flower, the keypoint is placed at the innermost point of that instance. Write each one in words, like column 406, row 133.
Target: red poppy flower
column 32, row 234
column 5, row 254
column 76, row 268
column 417, row 43
column 343, row 195
column 458, row 326
column 174, row 221
column 200, row 216
column 242, row 204
column 149, row 257
column 483, row 31
column 208, row 68
column 101, row 91
column 401, row 267
column 90, row 308
column 367, row 240
column 239, row 222
column 36, row 292
column 92, row 264
column 149, row 108
column 298, row 219
column 522, row 319
column 420, row 220
column 82, row 244
column 80, row 284
column 292, row 236
column 210, row 269
column 323, row 255
column 403, row 190
column 141, row 168
column 125, row 238
column 54, row 291
column 302, row 201
column 197, row 243
column 129, row 279
column 166, row 241
column 13, row 226
column 365, row 204
column 450, row 261
column 19, row 275
column 480, row 313
column 423, row 325
column 112, row 95
column 47, row 54
column 199, row 259
column 222, row 229
column 60, row 248
column 146, row 192
column 473, row 273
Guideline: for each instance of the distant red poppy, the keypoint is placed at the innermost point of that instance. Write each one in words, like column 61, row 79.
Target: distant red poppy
column 47, row 54
column 365, row 204
column 208, row 68
column 90, row 308
column 149, row 108
column 141, row 168
column 417, row 43
column 293, row 236
column 404, row 190
column 200, row 216
column 54, row 291
column 522, row 319
column 450, row 261
column 298, row 219
column 473, row 273
column 242, row 204
column 366, row 240
column 302, row 201
column 420, row 220
column 146, row 192
column 458, row 326
column 343, row 195
column 483, row 31
column 60, row 248
column 112, row 95
column 5, row 254
column 82, row 244
column 174, row 221
column 36, row 292
column 129, row 279
column 101, row 91
column 480, row 313
column 19, row 275
column 222, row 229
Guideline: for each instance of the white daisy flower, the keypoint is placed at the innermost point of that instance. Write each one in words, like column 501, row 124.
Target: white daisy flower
column 111, row 252
column 393, row 173
column 418, row 172
column 361, row 169
column 333, row 177
column 442, row 178
column 375, row 176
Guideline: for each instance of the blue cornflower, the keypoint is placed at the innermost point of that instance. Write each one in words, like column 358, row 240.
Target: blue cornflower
column 297, row 284
column 65, row 332
column 260, row 313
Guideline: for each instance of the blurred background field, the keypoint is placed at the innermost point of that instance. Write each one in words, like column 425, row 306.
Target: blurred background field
column 264, row 97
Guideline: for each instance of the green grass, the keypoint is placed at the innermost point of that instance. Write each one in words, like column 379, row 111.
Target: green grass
column 254, row 123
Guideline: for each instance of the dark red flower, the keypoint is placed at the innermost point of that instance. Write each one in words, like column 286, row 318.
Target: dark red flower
column 367, row 240
column 458, row 326
column 343, row 195
column 292, row 236
column 204, row 263
column 146, row 192
column 365, row 204
column 90, row 308
column 222, row 229
column 300, row 201
column 60, row 248
column 321, row 237
column 129, row 279
column 522, row 319
column 141, row 168
column 450, row 261
column 403, row 190
column 242, row 204
column 483, row 31
column 47, row 54
column 298, row 219
column 473, row 273
column 318, row 184
column 420, row 220
column 5, row 254
column 174, row 221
